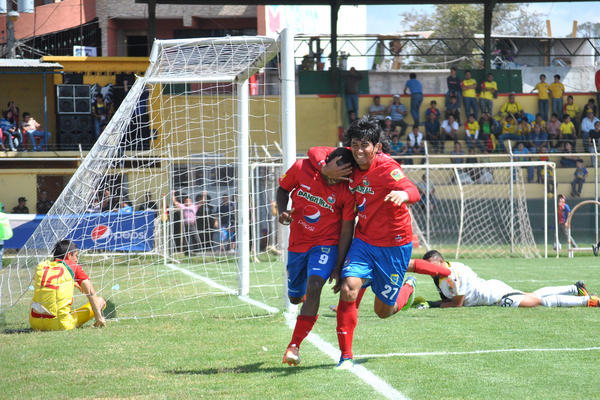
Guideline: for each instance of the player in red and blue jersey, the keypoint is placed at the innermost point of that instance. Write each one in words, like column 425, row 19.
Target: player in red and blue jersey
column 321, row 225
column 382, row 246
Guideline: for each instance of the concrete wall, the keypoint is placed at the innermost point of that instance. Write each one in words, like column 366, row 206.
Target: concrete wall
column 575, row 79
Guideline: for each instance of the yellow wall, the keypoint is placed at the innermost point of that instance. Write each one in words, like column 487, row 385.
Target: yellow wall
column 100, row 70
column 19, row 182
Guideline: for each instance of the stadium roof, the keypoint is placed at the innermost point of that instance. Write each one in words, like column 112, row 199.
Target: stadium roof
column 27, row 63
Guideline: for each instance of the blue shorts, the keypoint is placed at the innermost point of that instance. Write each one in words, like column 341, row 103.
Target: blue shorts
column 384, row 267
column 319, row 260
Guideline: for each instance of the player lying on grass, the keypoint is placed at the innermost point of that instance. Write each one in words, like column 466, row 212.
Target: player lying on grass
column 463, row 288
column 54, row 284
column 321, row 222
column 382, row 246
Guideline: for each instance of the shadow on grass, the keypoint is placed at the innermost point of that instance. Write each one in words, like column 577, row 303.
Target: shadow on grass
column 246, row 369
column 9, row 331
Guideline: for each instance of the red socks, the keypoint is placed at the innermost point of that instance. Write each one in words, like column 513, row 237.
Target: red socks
column 426, row 268
column 346, row 322
column 304, row 324
column 360, row 295
column 403, row 295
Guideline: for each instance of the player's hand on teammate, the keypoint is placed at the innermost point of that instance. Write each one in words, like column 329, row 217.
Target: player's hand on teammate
column 285, row 218
column 336, row 275
column 333, row 171
column 397, row 197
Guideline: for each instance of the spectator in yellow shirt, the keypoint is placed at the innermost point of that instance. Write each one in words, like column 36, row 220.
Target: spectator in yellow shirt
column 557, row 90
column 511, row 107
column 509, row 130
column 524, row 129
column 489, row 90
column 539, row 121
column 543, row 90
column 468, row 86
column 472, row 133
column 567, row 131
column 572, row 110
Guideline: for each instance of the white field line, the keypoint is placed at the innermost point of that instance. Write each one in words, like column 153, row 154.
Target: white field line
column 361, row 372
column 225, row 289
column 460, row 353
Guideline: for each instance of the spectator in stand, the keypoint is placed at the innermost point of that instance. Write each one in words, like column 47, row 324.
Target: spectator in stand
column 398, row 148
column 44, row 204
column 415, row 141
column 432, row 132
column 572, row 110
column 521, row 149
column 543, row 90
column 539, row 121
column 538, row 140
column 590, row 106
column 489, row 91
column 416, row 96
column 433, row 110
column 32, row 128
column 486, row 131
column 107, row 201
column 453, row 109
column 148, row 204
column 12, row 136
column 11, row 106
column 509, row 131
column 587, row 125
column 125, row 206
column 352, row 79
column 524, row 129
column 578, row 178
column 557, row 90
column 522, row 115
column 22, row 207
column 594, row 135
column 457, row 151
column 472, row 133
column 553, row 129
column 511, row 106
column 469, row 86
column 100, row 111
column 206, row 221
column 227, row 213
column 377, row 110
column 388, row 128
column 188, row 216
column 397, row 112
column 569, row 161
column 454, row 89
column 567, row 131
column 352, row 116
column 449, row 129
column 474, row 173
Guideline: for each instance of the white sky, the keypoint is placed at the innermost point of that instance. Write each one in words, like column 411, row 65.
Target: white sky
column 386, row 18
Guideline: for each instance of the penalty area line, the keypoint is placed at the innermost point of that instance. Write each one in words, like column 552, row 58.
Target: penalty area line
column 361, row 372
column 225, row 289
column 460, row 353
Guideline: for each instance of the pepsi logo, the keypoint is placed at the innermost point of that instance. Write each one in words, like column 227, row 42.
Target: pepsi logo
column 101, row 232
column 361, row 206
column 311, row 214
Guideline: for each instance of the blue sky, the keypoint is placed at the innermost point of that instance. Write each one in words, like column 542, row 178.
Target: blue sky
column 386, row 19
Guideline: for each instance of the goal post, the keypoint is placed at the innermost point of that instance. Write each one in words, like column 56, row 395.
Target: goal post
column 175, row 196
column 478, row 210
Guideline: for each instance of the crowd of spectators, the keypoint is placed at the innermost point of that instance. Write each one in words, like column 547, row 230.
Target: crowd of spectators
column 21, row 132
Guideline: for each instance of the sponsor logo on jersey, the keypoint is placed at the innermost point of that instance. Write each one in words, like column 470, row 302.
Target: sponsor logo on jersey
column 365, row 182
column 397, row 174
column 398, row 238
column 311, row 214
column 101, row 232
column 362, row 189
column 361, row 206
column 346, row 261
column 394, row 278
column 331, row 199
column 315, row 199
column 305, row 186
column 325, row 250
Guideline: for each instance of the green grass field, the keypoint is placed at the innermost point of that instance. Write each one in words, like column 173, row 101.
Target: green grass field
column 233, row 350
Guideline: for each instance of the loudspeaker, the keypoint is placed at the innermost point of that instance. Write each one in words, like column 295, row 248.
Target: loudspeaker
column 74, row 130
column 73, row 99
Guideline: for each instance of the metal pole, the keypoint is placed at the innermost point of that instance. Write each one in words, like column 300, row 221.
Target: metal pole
column 45, row 104
column 545, row 211
column 462, row 210
column 512, row 199
column 243, row 206
column 555, row 209
column 595, row 158
column 427, row 194
column 288, row 116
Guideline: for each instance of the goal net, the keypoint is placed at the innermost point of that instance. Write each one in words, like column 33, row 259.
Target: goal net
column 171, row 208
column 475, row 210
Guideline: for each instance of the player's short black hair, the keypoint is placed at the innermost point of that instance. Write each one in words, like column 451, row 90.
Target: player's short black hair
column 412, row 75
column 364, row 128
column 346, row 154
column 62, row 248
column 432, row 254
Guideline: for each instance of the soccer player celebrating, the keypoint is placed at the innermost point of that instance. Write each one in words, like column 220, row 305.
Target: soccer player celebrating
column 54, row 283
column 321, row 224
column 463, row 288
column 382, row 246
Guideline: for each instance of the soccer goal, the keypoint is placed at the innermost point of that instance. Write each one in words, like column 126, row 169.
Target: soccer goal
column 171, row 208
column 479, row 210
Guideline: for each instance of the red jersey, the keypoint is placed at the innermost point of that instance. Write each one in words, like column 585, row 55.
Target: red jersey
column 80, row 275
column 380, row 223
column 318, row 207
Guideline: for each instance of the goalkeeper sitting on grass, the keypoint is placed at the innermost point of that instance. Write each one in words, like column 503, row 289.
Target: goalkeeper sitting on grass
column 54, row 284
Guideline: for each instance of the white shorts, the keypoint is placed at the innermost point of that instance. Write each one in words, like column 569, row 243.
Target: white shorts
column 498, row 293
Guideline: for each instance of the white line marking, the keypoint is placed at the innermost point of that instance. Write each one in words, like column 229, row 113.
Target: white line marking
column 361, row 372
column 460, row 353
column 225, row 289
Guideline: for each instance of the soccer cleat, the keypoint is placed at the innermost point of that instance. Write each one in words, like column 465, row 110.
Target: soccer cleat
column 581, row 289
column 411, row 281
column 291, row 356
column 344, row 364
column 593, row 301
column 333, row 308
